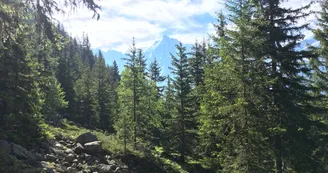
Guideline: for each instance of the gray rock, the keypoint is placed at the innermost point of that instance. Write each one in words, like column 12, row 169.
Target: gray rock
column 48, row 170
column 50, row 157
column 87, row 157
column 75, row 161
column 69, row 151
column 111, row 162
column 21, row 152
column 58, row 153
column 59, row 146
column 69, row 158
column 93, row 147
column 5, row 146
column 59, row 169
column 102, row 168
column 79, row 148
column 79, row 166
column 71, row 170
column 86, row 137
column 67, row 164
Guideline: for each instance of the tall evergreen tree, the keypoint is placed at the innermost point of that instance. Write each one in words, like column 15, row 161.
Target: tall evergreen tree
column 231, row 130
column 135, row 62
column 87, row 55
column 167, row 113
column 289, row 109
column 125, row 123
column 20, row 94
column 183, row 122
column 114, row 79
column 155, row 75
column 104, row 90
column 86, row 98
column 197, row 61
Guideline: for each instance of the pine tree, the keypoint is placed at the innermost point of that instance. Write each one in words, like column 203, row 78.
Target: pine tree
column 141, row 63
column 115, row 74
column 197, row 61
column 69, row 70
column 155, row 75
column 54, row 99
column 20, row 95
column 319, row 80
column 167, row 114
column 87, row 55
column 136, row 64
column 231, row 130
column 86, row 91
column 114, row 79
column 14, row 13
column 125, row 124
column 103, row 91
column 183, row 122
column 288, row 106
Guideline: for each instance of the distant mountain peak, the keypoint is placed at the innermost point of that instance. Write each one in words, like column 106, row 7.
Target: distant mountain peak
column 165, row 37
column 161, row 50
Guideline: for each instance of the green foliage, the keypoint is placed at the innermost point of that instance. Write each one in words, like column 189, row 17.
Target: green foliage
column 87, row 105
column 182, row 123
column 54, row 99
column 155, row 75
column 247, row 101
column 124, row 124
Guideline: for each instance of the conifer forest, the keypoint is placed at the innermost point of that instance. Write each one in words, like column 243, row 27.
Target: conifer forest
column 247, row 99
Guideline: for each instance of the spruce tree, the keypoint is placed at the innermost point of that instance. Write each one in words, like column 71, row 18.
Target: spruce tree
column 197, row 61
column 288, row 98
column 86, row 98
column 319, row 80
column 103, row 91
column 231, row 130
column 114, row 79
column 125, row 123
column 183, row 123
column 167, row 114
column 135, row 62
column 155, row 75
column 20, row 94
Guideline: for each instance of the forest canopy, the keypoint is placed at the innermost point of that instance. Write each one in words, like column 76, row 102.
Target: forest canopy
column 249, row 100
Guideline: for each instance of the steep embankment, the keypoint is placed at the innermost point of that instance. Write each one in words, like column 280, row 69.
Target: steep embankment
column 73, row 149
column 60, row 155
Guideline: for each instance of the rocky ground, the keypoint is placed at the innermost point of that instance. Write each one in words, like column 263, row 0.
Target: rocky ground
column 64, row 155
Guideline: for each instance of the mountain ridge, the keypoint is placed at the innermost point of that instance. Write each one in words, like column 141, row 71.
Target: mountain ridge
column 161, row 50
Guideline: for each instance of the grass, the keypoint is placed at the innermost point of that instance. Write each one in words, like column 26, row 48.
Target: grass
column 110, row 142
column 142, row 160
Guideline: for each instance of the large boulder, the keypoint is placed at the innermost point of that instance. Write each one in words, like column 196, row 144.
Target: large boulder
column 86, row 138
column 5, row 147
column 79, row 148
column 93, row 147
column 21, row 153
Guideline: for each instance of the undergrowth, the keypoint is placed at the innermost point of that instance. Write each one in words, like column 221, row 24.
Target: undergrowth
column 143, row 160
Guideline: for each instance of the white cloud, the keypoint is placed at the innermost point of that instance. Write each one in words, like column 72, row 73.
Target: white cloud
column 146, row 20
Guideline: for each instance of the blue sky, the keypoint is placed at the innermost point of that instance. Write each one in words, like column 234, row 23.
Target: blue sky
column 147, row 21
